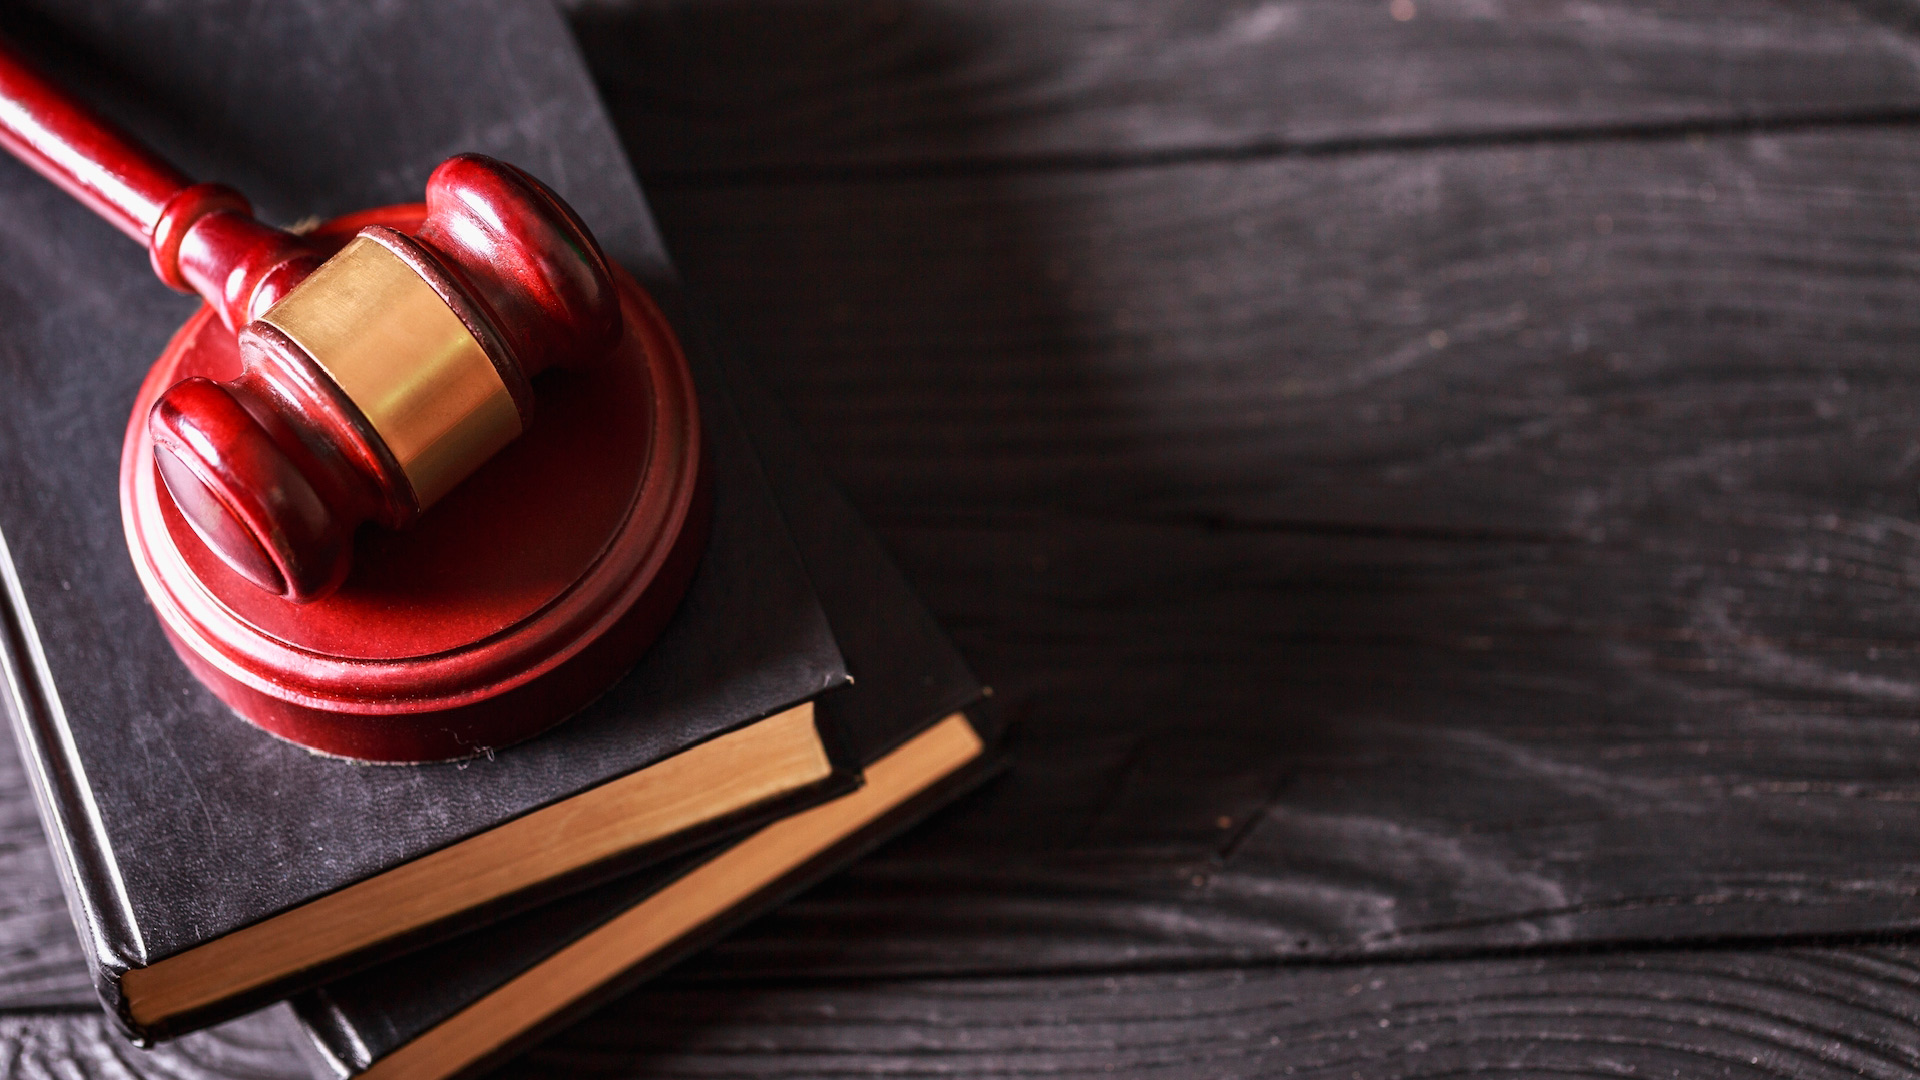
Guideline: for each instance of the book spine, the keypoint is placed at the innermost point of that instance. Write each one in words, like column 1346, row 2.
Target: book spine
column 89, row 875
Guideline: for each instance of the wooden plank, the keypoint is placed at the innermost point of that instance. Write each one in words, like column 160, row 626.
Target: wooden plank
column 1591, row 621
column 1802, row 1014
column 83, row 1046
column 41, row 963
column 706, row 91
column 1806, row 1013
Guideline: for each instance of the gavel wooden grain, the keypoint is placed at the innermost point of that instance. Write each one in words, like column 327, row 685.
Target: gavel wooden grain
column 375, row 380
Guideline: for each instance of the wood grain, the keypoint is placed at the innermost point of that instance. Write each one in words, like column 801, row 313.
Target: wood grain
column 85, row 1046
column 1430, row 542
column 40, row 959
column 1726, row 1014
column 1589, row 620
column 1809, row 1013
column 705, row 90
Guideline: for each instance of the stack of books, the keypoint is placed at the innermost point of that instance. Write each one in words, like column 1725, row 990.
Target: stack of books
column 423, row 921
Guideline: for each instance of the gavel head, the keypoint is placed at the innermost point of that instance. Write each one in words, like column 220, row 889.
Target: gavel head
column 385, row 377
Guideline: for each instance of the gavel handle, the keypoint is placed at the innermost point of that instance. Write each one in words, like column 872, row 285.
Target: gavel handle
column 200, row 237
column 81, row 151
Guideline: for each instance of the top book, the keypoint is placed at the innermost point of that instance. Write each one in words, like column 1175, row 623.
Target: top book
column 211, row 867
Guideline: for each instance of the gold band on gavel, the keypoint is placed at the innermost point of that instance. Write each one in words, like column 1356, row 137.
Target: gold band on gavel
column 405, row 360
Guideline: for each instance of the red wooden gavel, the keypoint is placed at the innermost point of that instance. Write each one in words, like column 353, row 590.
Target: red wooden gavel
column 375, row 379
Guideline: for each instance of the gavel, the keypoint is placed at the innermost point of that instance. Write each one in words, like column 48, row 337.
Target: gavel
column 374, row 379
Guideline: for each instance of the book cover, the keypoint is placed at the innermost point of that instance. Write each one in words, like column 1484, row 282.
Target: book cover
column 175, row 823
column 914, row 717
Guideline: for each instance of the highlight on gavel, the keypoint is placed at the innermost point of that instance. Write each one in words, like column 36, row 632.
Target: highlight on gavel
column 375, row 379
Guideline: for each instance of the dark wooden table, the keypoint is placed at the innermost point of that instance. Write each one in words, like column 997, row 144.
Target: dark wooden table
column 1434, row 481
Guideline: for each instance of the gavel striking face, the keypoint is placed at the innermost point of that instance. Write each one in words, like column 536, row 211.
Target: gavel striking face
column 376, row 380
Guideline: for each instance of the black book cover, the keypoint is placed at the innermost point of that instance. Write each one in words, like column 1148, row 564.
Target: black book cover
column 907, row 677
column 174, row 821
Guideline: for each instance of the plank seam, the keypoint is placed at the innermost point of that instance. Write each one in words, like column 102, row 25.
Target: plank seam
column 1779, row 943
column 802, row 173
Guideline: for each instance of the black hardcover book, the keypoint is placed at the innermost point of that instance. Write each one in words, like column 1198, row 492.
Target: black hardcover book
column 913, row 718
column 182, row 831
